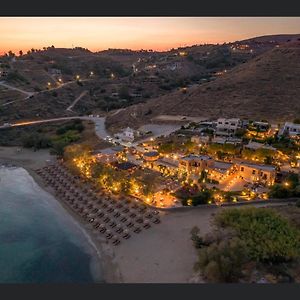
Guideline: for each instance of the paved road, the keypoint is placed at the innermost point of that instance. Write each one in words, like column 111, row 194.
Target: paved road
column 99, row 123
column 99, row 126
column 15, row 89
column 28, row 94
column 76, row 100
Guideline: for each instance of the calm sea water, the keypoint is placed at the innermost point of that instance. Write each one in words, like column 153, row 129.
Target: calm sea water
column 39, row 240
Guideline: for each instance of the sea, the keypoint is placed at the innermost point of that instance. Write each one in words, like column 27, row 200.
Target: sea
column 39, row 241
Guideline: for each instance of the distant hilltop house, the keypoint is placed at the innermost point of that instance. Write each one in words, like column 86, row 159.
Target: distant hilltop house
column 290, row 129
column 151, row 79
column 150, row 67
column 173, row 66
column 128, row 134
column 55, row 72
column 135, row 95
column 228, row 127
column 115, row 95
column 3, row 73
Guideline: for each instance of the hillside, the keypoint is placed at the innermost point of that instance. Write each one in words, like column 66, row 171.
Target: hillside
column 118, row 78
column 268, row 87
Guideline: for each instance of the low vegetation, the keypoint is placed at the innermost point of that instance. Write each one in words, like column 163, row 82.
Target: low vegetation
column 290, row 187
column 50, row 136
column 249, row 244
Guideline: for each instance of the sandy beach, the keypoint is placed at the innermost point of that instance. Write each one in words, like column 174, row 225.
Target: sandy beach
column 30, row 160
column 166, row 253
column 162, row 254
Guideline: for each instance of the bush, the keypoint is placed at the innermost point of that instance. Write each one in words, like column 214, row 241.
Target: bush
column 279, row 191
column 222, row 261
column 267, row 236
column 36, row 141
column 197, row 240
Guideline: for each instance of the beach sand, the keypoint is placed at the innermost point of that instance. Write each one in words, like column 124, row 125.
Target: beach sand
column 30, row 161
column 162, row 254
column 165, row 254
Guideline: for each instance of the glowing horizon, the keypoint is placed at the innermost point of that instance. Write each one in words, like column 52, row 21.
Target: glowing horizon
column 156, row 33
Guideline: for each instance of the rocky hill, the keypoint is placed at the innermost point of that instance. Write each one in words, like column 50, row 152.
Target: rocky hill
column 266, row 87
column 197, row 80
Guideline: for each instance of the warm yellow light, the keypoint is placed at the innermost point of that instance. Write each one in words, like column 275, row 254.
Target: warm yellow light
column 77, row 77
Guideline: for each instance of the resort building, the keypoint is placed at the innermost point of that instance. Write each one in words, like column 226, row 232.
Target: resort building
column 253, row 173
column 227, row 127
column 261, row 126
column 194, row 164
column 125, row 166
column 290, row 129
column 221, row 170
column 255, row 146
column 201, row 140
column 108, row 155
column 151, row 156
column 226, row 140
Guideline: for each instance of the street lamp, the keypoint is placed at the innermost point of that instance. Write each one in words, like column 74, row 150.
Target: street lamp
column 77, row 77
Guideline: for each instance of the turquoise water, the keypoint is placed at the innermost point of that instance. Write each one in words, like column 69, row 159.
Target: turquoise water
column 39, row 240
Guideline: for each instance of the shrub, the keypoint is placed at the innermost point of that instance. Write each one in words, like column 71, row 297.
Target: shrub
column 198, row 241
column 279, row 191
column 267, row 236
column 222, row 260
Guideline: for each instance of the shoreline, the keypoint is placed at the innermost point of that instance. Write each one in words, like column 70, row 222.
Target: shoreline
column 164, row 254
column 106, row 255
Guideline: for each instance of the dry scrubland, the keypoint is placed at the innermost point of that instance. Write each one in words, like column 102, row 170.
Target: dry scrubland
column 264, row 88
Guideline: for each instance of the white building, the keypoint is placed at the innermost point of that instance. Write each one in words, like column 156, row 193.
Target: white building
column 291, row 129
column 127, row 135
column 3, row 73
column 255, row 146
column 227, row 127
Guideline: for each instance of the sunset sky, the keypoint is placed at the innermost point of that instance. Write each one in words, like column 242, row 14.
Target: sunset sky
column 157, row 33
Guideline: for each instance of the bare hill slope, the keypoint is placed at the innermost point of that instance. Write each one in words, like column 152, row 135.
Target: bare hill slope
column 267, row 87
